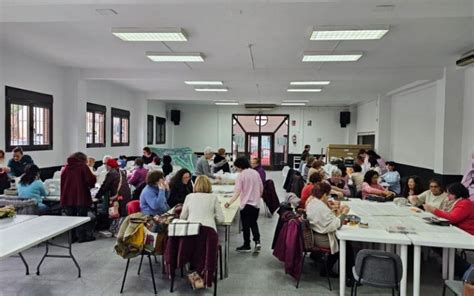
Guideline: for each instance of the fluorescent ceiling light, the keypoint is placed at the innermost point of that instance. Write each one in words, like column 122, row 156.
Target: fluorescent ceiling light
column 212, row 89
column 150, row 34
column 175, row 57
column 331, row 57
column 204, row 82
column 226, row 103
column 310, row 82
column 348, row 33
column 295, row 101
column 293, row 104
column 303, row 90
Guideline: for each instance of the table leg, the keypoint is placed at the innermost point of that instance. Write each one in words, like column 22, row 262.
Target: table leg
column 445, row 264
column 416, row 270
column 226, row 250
column 24, row 262
column 404, row 257
column 451, row 253
column 42, row 259
column 342, row 267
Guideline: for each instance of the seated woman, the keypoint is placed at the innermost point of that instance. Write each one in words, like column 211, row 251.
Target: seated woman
column 392, row 177
column 371, row 186
column 344, row 175
column 308, row 188
column 31, row 187
column 324, row 223
column 460, row 211
column 138, row 175
column 167, row 166
column 202, row 206
column 412, row 186
column 434, row 197
column 357, row 177
column 316, row 167
column 148, row 155
column 220, row 161
column 153, row 197
column 338, row 185
column 180, row 187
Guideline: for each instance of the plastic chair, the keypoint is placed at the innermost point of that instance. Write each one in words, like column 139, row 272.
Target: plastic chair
column 377, row 269
column 457, row 287
column 309, row 247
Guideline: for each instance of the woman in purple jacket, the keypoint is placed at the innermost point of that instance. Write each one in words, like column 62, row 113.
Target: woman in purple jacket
column 138, row 175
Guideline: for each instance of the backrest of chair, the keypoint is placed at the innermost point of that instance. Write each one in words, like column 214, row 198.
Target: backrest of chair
column 133, row 207
column 378, row 268
column 306, row 235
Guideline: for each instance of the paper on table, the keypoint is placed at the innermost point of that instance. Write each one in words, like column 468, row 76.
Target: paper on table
column 401, row 229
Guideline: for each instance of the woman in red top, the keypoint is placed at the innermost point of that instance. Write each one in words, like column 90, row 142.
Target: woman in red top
column 461, row 212
column 308, row 188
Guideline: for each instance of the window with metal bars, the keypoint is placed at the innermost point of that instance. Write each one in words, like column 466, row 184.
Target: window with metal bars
column 160, row 130
column 120, row 127
column 95, row 125
column 28, row 120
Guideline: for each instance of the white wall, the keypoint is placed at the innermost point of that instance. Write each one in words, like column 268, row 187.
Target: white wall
column 203, row 126
column 24, row 72
column 412, row 126
column 157, row 108
column 70, row 95
column 468, row 119
column 366, row 121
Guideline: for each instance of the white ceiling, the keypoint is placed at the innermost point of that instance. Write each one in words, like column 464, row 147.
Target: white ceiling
column 425, row 36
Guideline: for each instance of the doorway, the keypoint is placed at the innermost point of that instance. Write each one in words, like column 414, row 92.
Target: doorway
column 263, row 136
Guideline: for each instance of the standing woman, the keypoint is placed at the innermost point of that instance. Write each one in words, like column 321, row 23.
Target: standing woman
column 380, row 161
column 250, row 188
column 32, row 187
column 115, row 188
column 180, row 187
column 220, row 161
column 76, row 183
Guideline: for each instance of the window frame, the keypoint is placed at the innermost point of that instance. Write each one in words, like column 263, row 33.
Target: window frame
column 150, row 134
column 122, row 114
column 160, row 122
column 95, row 108
column 32, row 99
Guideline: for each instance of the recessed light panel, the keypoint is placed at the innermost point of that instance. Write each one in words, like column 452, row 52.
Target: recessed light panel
column 208, row 89
column 175, row 57
column 331, row 57
column 310, row 82
column 226, row 103
column 347, row 33
column 303, row 90
column 295, row 101
column 150, row 34
column 204, row 82
column 293, row 104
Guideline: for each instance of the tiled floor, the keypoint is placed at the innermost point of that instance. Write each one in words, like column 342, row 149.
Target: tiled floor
column 102, row 272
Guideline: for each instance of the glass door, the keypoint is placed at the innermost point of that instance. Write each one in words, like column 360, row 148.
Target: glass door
column 260, row 146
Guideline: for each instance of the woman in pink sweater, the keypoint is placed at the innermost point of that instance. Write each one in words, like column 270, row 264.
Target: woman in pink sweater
column 371, row 186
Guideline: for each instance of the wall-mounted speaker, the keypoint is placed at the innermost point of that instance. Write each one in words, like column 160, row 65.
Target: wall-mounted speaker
column 175, row 116
column 344, row 118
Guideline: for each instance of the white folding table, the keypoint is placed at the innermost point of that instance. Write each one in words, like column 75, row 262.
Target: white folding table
column 448, row 238
column 34, row 231
column 17, row 219
column 224, row 192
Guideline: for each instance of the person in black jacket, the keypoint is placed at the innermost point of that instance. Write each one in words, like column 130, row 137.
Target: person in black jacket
column 220, row 161
column 167, row 166
column 180, row 187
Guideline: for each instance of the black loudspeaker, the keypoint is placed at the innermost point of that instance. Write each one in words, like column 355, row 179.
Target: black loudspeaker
column 344, row 118
column 175, row 116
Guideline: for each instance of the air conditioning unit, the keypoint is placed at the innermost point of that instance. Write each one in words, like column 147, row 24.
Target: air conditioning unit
column 466, row 59
column 260, row 106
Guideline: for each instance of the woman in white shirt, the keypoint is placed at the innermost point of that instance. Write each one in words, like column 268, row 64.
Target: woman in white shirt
column 202, row 206
column 324, row 221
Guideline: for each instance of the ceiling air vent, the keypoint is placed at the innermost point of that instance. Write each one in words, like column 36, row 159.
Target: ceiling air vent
column 260, row 106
